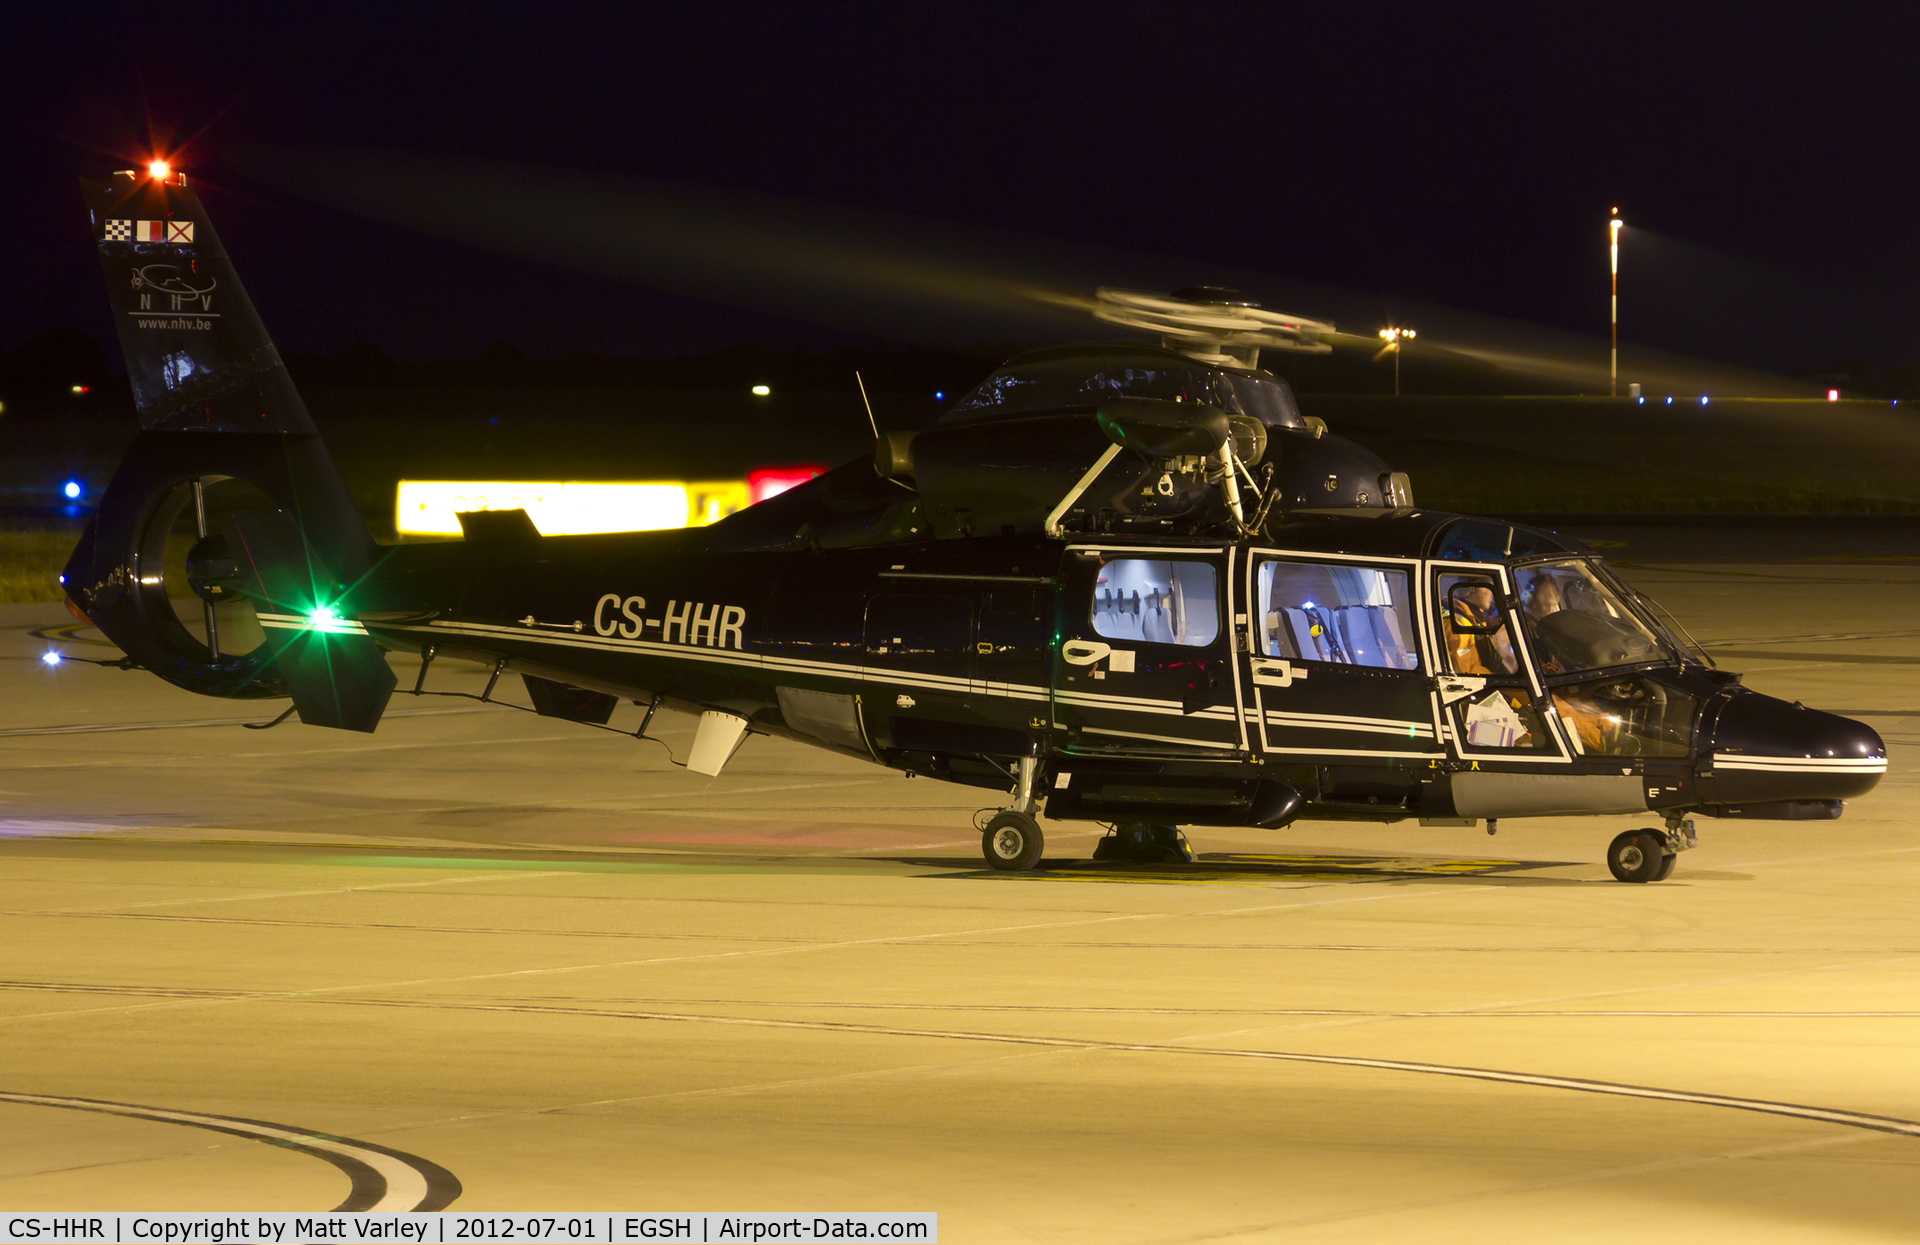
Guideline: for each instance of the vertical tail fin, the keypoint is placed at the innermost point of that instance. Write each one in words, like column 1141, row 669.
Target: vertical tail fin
column 197, row 355
column 214, row 401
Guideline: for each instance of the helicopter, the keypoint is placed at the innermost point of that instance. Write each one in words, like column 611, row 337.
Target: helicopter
column 1127, row 583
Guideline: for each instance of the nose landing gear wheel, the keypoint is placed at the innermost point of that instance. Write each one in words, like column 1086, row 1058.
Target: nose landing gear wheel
column 1012, row 841
column 1639, row 856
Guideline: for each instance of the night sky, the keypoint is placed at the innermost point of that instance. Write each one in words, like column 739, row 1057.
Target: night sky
column 1464, row 156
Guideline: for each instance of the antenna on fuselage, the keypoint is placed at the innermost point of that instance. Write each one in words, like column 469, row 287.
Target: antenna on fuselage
column 874, row 423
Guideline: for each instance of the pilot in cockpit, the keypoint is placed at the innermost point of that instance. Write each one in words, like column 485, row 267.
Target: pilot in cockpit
column 1541, row 595
column 1591, row 727
column 1489, row 653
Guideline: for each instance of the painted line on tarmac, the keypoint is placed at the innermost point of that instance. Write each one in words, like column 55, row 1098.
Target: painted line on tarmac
column 1743, row 641
column 381, row 1178
column 490, row 876
column 1843, row 659
column 1619, row 1089
column 327, row 993
column 69, row 633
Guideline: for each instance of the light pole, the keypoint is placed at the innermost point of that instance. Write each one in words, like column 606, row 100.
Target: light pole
column 1613, row 263
column 1393, row 338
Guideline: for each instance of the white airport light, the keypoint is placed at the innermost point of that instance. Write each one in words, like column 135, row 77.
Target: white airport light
column 557, row 508
column 1613, row 266
column 51, row 657
column 1393, row 337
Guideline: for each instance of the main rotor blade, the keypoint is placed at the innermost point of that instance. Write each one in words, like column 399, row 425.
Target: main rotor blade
column 903, row 278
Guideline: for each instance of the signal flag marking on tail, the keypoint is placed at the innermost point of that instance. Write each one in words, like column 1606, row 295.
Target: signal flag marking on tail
column 175, row 231
column 163, row 231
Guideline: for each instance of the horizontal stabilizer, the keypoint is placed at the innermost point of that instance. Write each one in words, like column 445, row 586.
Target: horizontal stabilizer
column 336, row 673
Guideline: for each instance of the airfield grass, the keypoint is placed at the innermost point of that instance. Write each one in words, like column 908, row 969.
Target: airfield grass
column 1478, row 455
column 31, row 558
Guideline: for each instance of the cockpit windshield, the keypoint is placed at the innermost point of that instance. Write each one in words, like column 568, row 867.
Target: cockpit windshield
column 1578, row 621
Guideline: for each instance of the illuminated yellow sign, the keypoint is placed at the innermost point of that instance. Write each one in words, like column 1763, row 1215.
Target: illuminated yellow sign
column 709, row 501
column 557, row 508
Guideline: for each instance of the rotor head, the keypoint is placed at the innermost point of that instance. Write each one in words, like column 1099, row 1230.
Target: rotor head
column 1212, row 325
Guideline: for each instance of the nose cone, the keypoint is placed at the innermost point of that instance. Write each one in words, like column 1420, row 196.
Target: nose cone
column 1766, row 750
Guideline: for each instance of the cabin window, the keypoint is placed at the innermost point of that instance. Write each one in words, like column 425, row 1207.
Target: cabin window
column 1158, row 601
column 1337, row 612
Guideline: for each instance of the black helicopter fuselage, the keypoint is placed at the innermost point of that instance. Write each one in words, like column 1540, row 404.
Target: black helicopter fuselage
column 957, row 658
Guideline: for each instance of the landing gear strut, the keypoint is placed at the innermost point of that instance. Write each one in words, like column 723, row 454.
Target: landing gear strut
column 1649, row 855
column 1012, row 840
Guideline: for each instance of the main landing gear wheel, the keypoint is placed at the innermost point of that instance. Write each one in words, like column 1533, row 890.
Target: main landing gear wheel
column 1012, row 841
column 1639, row 856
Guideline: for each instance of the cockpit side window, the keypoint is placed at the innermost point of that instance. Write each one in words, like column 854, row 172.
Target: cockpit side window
column 1336, row 612
column 1475, row 637
column 1159, row 601
column 1626, row 715
column 1578, row 622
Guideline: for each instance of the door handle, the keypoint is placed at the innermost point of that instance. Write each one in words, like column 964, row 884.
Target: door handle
column 1277, row 673
column 1083, row 652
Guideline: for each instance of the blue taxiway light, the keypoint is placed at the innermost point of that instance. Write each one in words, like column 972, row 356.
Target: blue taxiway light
column 1669, row 401
column 72, row 490
column 1703, row 399
column 939, row 395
